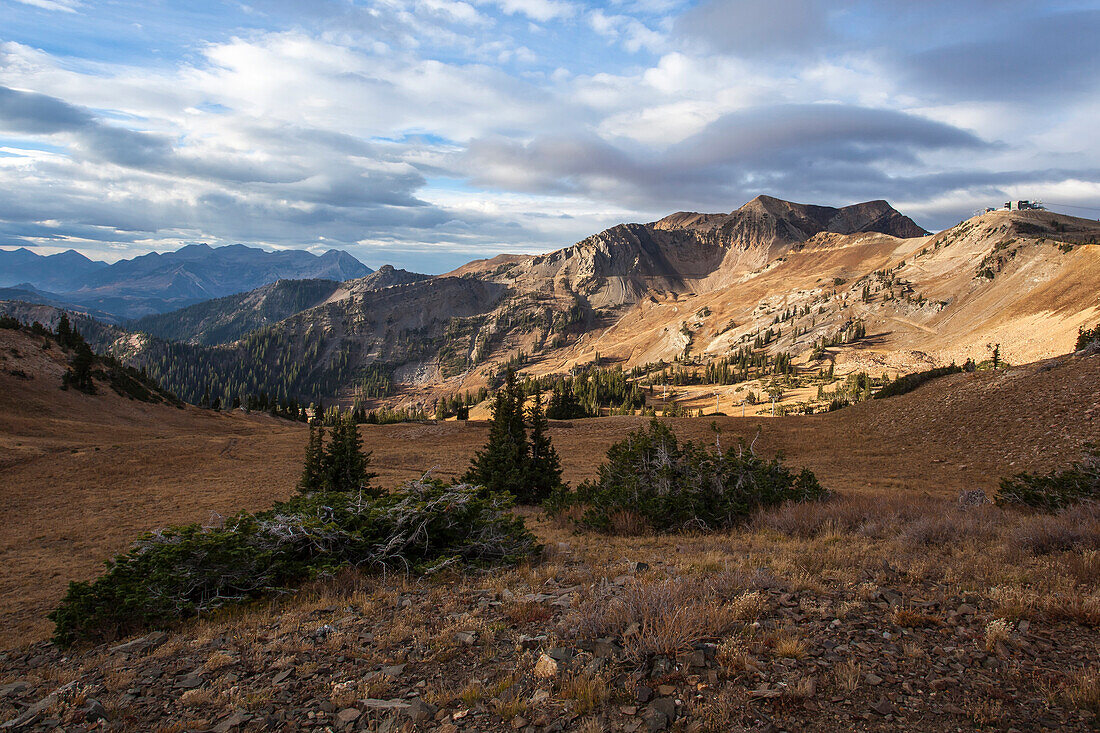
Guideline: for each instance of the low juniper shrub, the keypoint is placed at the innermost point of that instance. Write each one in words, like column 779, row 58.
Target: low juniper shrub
column 175, row 573
column 677, row 487
column 1057, row 489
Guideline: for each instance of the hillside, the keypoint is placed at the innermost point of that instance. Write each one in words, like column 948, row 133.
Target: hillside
column 159, row 282
column 224, row 320
column 865, row 605
column 773, row 289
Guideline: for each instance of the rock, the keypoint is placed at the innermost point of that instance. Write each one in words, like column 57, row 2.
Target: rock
column 884, row 707
column 94, row 710
column 561, row 654
column 281, row 677
column 13, row 689
column 236, row 720
column 966, row 610
column 643, row 694
column 190, row 682
column 374, row 704
column 418, row 710
column 546, row 667
column 666, row 706
column 531, row 642
column 873, row 679
column 144, row 644
column 466, row 638
column 519, row 722
column 666, row 690
column 540, row 696
column 393, row 671
column 655, row 721
column 347, row 716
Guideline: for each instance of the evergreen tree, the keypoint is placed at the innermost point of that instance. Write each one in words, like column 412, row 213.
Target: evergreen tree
column 502, row 465
column 313, row 469
column 64, row 331
column 79, row 374
column 544, row 467
column 345, row 462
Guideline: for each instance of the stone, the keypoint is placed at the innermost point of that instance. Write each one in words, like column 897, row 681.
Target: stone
column 540, row 696
column 281, row 677
column 13, row 689
column 94, row 710
column 561, row 654
column 393, row 671
column 643, row 694
column 375, row 704
column 884, row 707
column 236, row 720
column 144, row 644
column 873, row 679
column 546, row 667
column 519, row 722
column 666, row 706
column 347, row 716
column 466, row 638
column 531, row 642
column 418, row 710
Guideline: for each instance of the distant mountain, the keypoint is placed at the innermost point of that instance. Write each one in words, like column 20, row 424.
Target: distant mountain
column 159, row 282
column 61, row 272
column 30, row 294
column 224, row 320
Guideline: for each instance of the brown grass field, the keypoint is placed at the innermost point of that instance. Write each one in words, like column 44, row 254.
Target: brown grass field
column 81, row 476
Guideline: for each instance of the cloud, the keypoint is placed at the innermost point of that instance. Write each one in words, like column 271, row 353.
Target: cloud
column 1044, row 58
column 540, row 10
column 773, row 149
column 480, row 126
column 68, row 6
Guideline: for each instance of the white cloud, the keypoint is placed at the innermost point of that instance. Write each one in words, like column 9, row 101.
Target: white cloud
column 540, row 10
column 67, row 6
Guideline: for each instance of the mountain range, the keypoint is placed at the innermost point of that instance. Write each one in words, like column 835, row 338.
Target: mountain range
column 160, row 282
column 857, row 288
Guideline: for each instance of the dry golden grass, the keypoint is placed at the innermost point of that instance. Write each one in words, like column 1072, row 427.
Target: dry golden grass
column 848, row 675
column 81, row 477
column 587, row 692
column 1083, row 690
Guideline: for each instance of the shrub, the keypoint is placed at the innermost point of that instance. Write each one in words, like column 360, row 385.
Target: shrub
column 1057, row 489
column 171, row 574
column 1087, row 336
column 680, row 487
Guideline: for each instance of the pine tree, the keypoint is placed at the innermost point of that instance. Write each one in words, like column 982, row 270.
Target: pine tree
column 502, row 464
column 64, row 331
column 313, row 469
column 544, row 467
column 345, row 461
column 79, row 374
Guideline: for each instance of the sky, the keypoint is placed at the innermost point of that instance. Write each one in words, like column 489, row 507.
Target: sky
column 425, row 133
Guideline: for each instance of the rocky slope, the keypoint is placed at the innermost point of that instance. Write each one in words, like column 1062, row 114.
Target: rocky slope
column 690, row 288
